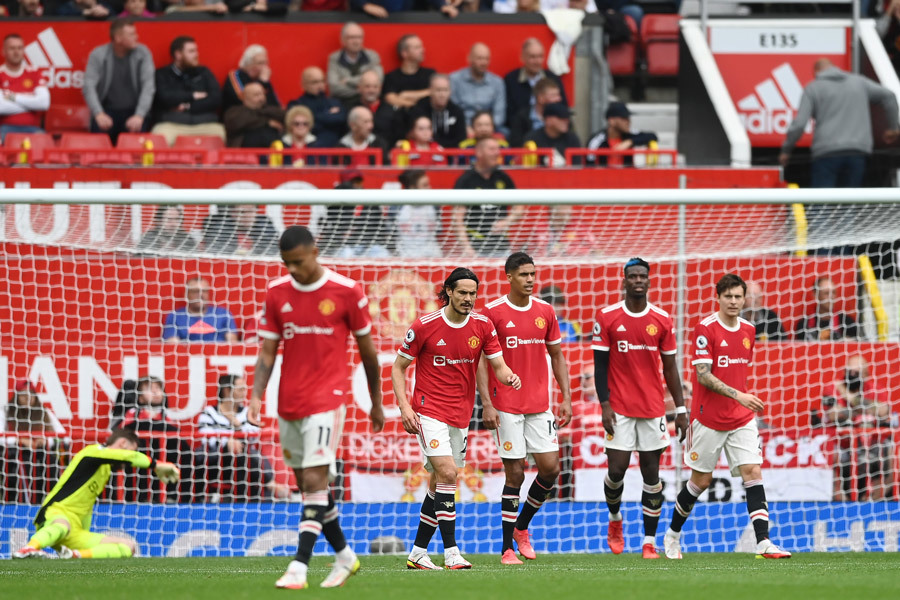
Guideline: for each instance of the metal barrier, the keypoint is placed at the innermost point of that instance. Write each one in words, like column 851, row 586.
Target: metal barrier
column 615, row 158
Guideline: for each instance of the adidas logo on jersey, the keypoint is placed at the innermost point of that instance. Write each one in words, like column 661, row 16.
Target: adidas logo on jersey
column 441, row 342
column 724, row 343
column 621, row 328
column 286, row 307
column 510, row 324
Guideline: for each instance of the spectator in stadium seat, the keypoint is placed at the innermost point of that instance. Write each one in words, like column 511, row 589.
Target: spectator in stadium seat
column 166, row 233
column 195, row 6
column 151, row 416
column 380, row 9
column 555, row 297
column 555, row 133
column 346, row 66
column 136, row 8
column 388, row 120
column 298, row 126
column 34, row 453
column 481, row 230
column 448, row 122
column 187, row 95
column 410, row 82
column 89, row 9
column 529, row 118
column 888, row 27
column 23, row 9
column 240, row 229
column 483, row 128
column 25, row 93
column 768, row 325
column 330, row 119
column 842, row 141
column 623, row 7
column 856, row 401
column 520, row 82
column 417, row 226
column 355, row 231
column 234, row 462
column 825, row 324
column 253, row 123
column 618, row 135
column 199, row 320
column 362, row 136
column 252, row 68
column 119, row 82
column 475, row 88
column 423, row 150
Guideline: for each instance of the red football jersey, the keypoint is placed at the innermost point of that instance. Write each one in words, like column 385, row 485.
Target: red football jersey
column 23, row 82
column 448, row 355
column 524, row 333
column 729, row 351
column 634, row 342
column 315, row 321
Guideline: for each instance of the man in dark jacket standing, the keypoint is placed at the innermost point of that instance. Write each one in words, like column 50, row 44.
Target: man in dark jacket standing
column 187, row 95
column 329, row 116
column 842, row 141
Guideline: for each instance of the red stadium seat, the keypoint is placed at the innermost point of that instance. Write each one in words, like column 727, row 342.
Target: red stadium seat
column 136, row 141
column 199, row 142
column 39, row 143
column 659, row 36
column 622, row 57
column 67, row 117
column 105, row 153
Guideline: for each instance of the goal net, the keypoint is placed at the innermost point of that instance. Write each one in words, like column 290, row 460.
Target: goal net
column 94, row 282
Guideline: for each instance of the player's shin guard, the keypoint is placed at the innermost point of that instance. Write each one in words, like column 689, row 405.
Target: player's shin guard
column 427, row 522
column 539, row 492
column 331, row 528
column 684, row 504
column 758, row 508
column 613, row 491
column 48, row 535
column 509, row 510
column 445, row 511
column 106, row 551
column 651, row 501
column 315, row 505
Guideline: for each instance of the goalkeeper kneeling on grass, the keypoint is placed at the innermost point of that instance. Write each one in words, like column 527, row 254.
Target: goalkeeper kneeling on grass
column 64, row 519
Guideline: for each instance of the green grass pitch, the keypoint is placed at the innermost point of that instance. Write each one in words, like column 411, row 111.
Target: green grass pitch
column 626, row 577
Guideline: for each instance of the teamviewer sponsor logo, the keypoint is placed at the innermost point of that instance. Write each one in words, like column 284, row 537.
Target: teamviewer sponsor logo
column 514, row 342
column 442, row 361
column 771, row 108
column 724, row 361
column 48, row 55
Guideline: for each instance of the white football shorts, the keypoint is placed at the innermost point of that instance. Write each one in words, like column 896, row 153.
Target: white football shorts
column 439, row 439
column 742, row 446
column 312, row 441
column 521, row 435
column 641, row 435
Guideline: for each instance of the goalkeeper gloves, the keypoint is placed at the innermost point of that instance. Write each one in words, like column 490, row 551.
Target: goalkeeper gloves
column 167, row 472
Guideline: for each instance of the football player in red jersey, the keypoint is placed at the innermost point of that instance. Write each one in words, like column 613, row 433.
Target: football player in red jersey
column 523, row 422
column 447, row 346
column 629, row 339
column 314, row 310
column 724, row 417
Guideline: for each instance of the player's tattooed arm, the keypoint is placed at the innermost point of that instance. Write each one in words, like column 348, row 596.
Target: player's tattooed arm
column 261, row 375
column 710, row 381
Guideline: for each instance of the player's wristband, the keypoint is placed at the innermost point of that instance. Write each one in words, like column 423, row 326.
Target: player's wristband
column 152, row 466
column 680, row 410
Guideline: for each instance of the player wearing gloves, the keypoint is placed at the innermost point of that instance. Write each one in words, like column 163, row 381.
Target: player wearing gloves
column 64, row 519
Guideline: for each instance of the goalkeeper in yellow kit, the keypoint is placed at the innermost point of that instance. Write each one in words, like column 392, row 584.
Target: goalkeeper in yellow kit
column 64, row 519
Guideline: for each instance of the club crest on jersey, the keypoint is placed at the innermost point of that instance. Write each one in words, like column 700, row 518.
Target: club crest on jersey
column 473, row 342
column 326, row 307
column 434, row 444
column 540, row 322
column 410, row 336
column 652, row 329
column 287, row 454
column 702, row 342
column 694, row 456
column 507, row 446
column 746, row 343
column 609, row 436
